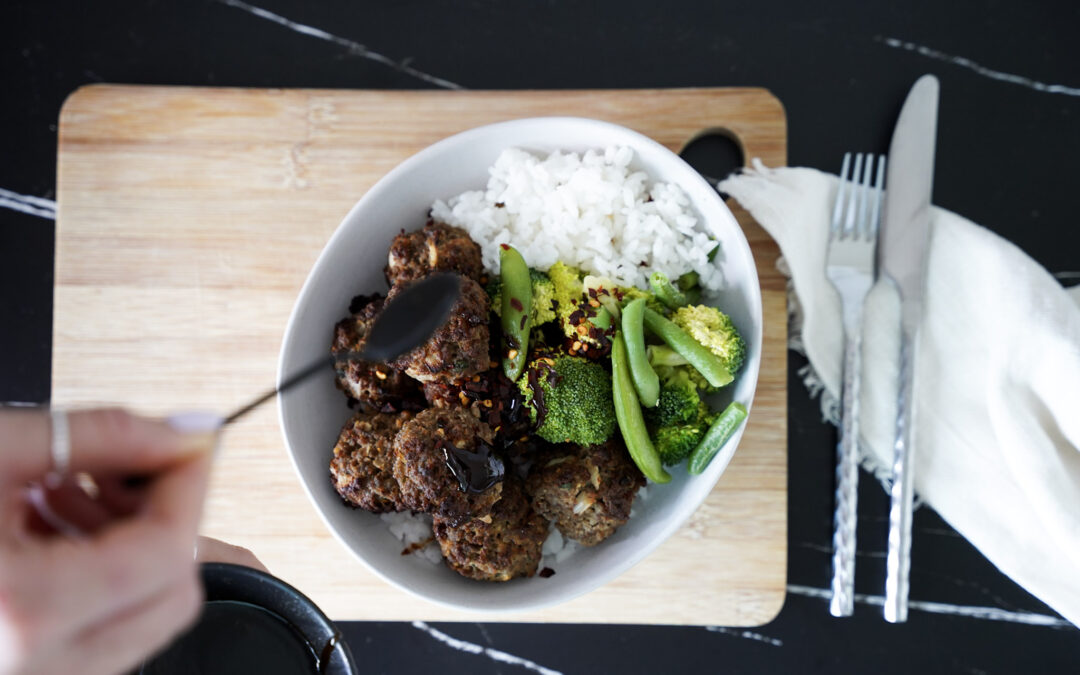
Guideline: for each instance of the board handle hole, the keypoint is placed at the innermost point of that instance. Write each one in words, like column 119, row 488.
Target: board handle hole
column 715, row 153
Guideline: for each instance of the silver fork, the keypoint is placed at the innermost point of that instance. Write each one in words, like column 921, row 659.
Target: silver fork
column 850, row 268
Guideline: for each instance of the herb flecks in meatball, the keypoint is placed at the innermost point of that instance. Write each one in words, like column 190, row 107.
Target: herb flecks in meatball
column 377, row 386
column 459, row 349
column 362, row 465
column 503, row 545
column 437, row 247
column 428, row 474
column 587, row 490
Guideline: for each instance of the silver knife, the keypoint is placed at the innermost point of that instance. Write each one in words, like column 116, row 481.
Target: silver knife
column 905, row 234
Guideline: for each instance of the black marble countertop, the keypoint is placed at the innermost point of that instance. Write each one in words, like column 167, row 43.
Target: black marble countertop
column 1007, row 158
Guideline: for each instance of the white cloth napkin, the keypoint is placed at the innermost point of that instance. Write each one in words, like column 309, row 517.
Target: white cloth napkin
column 997, row 380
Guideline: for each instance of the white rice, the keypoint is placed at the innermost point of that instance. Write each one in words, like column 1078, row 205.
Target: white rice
column 590, row 211
column 411, row 528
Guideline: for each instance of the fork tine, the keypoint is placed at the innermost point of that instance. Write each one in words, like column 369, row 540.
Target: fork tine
column 839, row 201
column 862, row 227
column 852, row 205
column 879, row 186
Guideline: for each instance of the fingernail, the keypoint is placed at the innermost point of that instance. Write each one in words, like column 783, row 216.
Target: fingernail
column 195, row 422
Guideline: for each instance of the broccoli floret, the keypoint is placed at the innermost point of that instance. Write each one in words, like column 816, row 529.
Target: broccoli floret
column 713, row 329
column 575, row 398
column 543, row 295
column 679, row 400
column 587, row 325
column 680, row 419
column 631, row 293
column 674, row 443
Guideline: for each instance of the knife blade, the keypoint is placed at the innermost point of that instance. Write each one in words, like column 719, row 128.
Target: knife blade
column 905, row 234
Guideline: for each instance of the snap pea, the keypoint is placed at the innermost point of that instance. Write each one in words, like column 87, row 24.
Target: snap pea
column 688, row 281
column 665, row 291
column 706, row 363
column 633, row 331
column 516, row 310
column 628, row 414
column 719, row 432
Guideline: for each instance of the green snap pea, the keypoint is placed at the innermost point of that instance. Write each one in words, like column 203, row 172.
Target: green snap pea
column 628, row 414
column 516, row 310
column 706, row 363
column 633, row 331
column 719, row 432
column 688, row 281
column 665, row 291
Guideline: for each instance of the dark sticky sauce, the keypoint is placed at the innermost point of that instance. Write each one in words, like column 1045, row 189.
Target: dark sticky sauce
column 327, row 652
column 233, row 637
column 476, row 470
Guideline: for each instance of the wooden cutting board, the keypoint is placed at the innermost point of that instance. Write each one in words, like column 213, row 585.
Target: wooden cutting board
column 188, row 219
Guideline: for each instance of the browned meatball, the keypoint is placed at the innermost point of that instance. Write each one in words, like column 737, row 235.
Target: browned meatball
column 586, row 490
column 361, row 468
column 436, row 247
column 499, row 547
column 375, row 385
column 459, row 349
column 444, row 464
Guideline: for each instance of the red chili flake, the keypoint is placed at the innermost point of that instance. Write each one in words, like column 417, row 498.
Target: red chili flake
column 500, row 205
column 505, row 247
column 516, row 304
column 522, row 325
column 546, row 573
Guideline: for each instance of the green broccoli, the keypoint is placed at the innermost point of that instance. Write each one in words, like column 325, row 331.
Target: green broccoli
column 679, row 400
column 574, row 401
column 674, row 443
column 587, row 325
column 631, row 293
column 713, row 329
column 543, row 296
column 680, row 419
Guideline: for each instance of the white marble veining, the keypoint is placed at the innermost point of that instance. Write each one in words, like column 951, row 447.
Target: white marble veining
column 746, row 634
column 979, row 69
column 973, row 612
column 34, row 206
column 473, row 648
column 351, row 45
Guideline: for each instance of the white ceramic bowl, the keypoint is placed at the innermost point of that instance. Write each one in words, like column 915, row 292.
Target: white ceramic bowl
column 352, row 262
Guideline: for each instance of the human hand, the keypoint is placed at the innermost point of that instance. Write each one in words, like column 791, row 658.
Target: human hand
column 100, row 601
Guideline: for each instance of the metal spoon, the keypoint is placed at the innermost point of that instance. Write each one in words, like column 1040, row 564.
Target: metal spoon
column 404, row 324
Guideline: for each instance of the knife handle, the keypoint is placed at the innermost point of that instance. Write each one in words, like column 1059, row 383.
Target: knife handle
column 898, row 563
column 842, row 602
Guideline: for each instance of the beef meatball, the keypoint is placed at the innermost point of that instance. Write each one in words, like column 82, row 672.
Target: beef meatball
column 361, row 469
column 444, row 463
column 499, row 547
column 436, row 247
column 459, row 349
column 586, row 490
column 376, row 385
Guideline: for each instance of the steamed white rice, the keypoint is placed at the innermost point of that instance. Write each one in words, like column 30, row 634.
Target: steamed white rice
column 590, row 211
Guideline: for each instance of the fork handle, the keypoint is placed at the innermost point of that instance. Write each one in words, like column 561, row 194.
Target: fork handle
column 847, row 483
column 898, row 563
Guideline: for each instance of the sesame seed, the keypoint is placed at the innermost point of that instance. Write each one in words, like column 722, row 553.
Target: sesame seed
column 380, row 374
column 512, row 354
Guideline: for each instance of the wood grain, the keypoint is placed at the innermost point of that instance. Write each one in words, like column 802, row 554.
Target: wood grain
column 187, row 221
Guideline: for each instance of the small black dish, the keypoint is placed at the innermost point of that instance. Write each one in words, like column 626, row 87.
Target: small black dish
column 255, row 623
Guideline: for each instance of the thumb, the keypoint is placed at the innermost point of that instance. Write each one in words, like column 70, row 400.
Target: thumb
column 104, row 440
